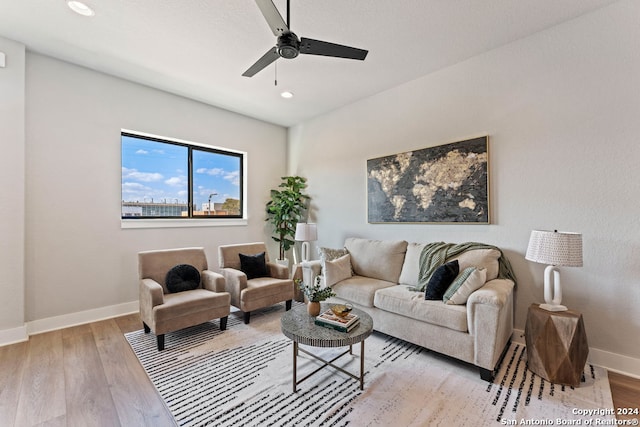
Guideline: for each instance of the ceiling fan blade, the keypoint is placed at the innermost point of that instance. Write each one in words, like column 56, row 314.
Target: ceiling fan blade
column 267, row 58
column 273, row 17
column 318, row 47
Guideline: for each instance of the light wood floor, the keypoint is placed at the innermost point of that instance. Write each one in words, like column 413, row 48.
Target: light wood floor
column 88, row 376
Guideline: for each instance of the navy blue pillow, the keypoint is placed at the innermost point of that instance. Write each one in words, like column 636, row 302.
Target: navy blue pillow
column 182, row 277
column 254, row 265
column 441, row 279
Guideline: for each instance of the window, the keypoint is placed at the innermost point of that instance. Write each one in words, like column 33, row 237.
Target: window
column 172, row 179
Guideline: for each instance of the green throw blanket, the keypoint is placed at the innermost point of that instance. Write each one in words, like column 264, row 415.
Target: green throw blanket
column 434, row 255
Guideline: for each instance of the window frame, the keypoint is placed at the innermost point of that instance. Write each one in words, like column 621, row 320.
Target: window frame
column 190, row 220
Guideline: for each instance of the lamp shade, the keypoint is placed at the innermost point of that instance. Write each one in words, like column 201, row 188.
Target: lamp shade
column 555, row 248
column 306, row 232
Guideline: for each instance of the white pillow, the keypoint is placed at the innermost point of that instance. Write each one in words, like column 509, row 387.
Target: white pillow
column 411, row 265
column 337, row 270
column 469, row 280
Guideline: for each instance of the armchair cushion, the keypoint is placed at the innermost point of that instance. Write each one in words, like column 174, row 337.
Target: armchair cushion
column 182, row 277
column 254, row 265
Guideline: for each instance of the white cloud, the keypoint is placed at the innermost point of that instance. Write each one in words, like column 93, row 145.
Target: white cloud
column 133, row 187
column 233, row 177
column 136, row 175
column 176, row 181
column 141, row 151
column 213, row 172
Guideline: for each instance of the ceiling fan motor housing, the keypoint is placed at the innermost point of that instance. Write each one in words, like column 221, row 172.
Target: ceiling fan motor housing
column 288, row 45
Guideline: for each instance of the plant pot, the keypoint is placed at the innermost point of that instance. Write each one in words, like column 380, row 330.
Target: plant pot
column 313, row 308
column 283, row 262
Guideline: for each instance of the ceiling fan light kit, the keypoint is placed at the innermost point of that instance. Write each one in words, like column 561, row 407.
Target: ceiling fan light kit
column 80, row 8
column 289, row 46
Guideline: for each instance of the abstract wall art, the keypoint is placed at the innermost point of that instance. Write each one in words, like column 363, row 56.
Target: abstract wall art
column 443, row 184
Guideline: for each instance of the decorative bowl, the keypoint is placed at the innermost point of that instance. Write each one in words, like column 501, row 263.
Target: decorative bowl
column 341, row 310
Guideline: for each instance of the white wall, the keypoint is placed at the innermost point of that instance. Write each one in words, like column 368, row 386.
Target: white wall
column 77, row 256
column 12, row 225
column 562, row 111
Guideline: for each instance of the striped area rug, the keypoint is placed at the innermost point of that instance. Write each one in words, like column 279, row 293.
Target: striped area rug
column 243, row 377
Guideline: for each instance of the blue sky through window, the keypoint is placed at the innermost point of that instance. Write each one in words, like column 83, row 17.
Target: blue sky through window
column 215, row 173
column 158, row 172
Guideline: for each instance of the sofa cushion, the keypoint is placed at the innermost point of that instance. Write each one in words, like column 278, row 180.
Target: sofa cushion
column 400, row 300
column 264, row 287
column 360, row 290
column 182, row 277
column 440, row 280
column 411, row 266
column 481, row 258
column 469, row 280
column 377, row 259
column 183, row 304
column 337, row 270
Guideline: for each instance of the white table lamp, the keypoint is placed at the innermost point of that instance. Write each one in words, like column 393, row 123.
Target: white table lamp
column 556, row 249
column 305, row 233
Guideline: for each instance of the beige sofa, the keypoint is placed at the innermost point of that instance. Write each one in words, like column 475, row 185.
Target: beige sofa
column 383, row 274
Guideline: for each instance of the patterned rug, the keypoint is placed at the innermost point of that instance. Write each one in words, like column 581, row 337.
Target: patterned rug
column 243, row 377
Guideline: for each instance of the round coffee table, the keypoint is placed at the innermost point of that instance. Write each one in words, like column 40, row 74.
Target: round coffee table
column 299, row 326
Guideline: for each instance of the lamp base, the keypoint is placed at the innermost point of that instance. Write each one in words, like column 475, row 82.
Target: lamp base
column 553, row 307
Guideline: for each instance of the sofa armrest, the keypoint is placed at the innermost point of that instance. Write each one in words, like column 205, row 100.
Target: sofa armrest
column 495, row 292
column 151, row 293
column 314, row 266
column 213, row 281
column 490, row 320
column 278, row 271
column 235, row 281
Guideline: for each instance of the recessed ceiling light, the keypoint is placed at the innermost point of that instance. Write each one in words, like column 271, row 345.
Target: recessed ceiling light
column 286, row 94
column 80, row 8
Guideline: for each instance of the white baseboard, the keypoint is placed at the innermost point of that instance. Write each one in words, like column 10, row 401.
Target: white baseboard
column 81, row 317
column 13, row 335
column 611, row 361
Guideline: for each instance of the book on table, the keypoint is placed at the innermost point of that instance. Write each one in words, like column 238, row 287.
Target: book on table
column 343, row 324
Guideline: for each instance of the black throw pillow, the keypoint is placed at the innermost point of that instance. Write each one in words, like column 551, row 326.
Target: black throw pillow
column 441, row 279
column 182, row 277
column 254, row 265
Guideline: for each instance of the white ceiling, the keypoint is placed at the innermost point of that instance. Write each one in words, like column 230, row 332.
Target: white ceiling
column 200, row 48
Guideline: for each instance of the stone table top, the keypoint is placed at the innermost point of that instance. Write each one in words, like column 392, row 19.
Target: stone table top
column 299, row 326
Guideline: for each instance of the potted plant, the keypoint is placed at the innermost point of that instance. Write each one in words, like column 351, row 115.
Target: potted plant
column 315, row 294
column 285, row 209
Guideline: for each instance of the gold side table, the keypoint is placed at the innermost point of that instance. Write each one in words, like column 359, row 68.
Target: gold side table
column 557, row 347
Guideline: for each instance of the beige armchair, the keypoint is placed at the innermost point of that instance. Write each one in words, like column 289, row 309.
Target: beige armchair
column 249, row 294
column 162, row 311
